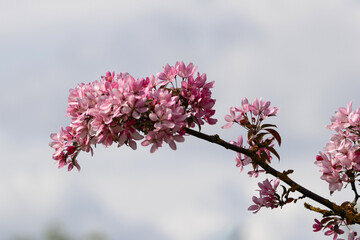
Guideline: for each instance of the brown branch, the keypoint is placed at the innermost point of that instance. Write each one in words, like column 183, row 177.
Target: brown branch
column 344, row 211
column 353, row 187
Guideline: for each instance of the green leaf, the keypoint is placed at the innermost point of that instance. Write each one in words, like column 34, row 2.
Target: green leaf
column 275, row 134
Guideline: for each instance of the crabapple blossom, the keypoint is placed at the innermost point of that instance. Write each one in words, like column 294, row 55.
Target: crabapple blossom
column 340, row 160
column 168, row 75
column 331, row 226
column 121, row 109
column 185, row 71
column 267, row 196
column 240, row 160
column 261, row 110
column 351, row 236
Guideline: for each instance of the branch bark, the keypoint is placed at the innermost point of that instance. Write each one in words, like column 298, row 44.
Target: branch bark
column 345, row 210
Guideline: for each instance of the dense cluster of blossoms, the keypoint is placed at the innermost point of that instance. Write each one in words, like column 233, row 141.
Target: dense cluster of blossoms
column 159, row 109
column 121, row 109
column 340, row 160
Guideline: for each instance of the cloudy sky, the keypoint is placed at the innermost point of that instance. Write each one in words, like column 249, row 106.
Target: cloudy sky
column 303, row 56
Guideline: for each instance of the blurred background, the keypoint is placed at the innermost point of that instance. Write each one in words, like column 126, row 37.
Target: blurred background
column 303, row 56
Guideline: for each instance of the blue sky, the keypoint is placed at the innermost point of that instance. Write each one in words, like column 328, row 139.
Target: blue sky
column 303, row 56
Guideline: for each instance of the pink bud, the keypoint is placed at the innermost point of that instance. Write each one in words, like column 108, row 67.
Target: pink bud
column 70, row 149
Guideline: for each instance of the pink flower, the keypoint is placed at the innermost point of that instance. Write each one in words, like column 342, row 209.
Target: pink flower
column 317, row 226
column 267, row 196
column 261, row 108
column 259, row 203
column 231, row 119
column 241, row 161
column 345, row 118
column 332, row 231
column 341, row 157
column 352, row 235
column 168, row 75
column 244, row 106
column 134, row 107
column 109, row 77
column 154, row 138
column 118, row 108
column 162, row 118
column 185, row 71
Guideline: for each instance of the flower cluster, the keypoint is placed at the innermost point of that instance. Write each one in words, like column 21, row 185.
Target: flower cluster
column 121, row 109
column 268, row 197
column 260, row 109
column 340, row 160
column 332, row 225
column 250, row 116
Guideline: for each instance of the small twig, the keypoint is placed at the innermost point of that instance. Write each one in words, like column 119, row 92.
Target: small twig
column 353, row 187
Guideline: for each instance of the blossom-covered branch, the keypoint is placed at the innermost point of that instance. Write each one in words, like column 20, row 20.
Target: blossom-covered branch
column 165, row 108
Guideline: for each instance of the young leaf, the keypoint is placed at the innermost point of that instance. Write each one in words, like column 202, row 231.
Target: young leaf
column 266, row 125
column 259, row 136
column 272, row 150
column 325, row 220
column 250, row 134
column 275, row 134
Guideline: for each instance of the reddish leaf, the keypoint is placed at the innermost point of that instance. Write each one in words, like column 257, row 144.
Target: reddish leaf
column 325, row 220
column 249, row 134
column 330, row 224
column 275, row 134
column 260, row 136
column 267, row 126
column 272, row 150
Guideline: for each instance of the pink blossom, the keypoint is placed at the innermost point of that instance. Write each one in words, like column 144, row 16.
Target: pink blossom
column 267, row 196
column 134, row 106
column 240, row 160
column 352, row 235
column 317, row 226
column 162, row 118
column 185, row 71
column 109, row 77
column 244, row 106
column 259, row 203
column 345, row 118
column 331, row 231
column 262, row 108
column 154, row 138
column 231, row 119
column 168, row 75
column 341, row 156
column 119, row 108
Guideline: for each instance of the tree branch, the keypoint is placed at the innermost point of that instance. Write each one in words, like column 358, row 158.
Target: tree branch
column 344, row 211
